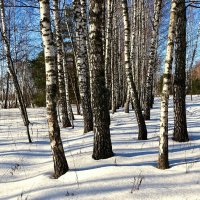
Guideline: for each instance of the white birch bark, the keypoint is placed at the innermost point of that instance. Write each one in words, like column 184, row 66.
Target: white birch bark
column 152, row 58
column 60, row 163
column 133, row 38
column 61, row 80
column 83, row 67
column 163, row 162
column 108, row 44
column 142, row 135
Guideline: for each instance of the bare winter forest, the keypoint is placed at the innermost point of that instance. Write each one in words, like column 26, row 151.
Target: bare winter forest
column 100, row 99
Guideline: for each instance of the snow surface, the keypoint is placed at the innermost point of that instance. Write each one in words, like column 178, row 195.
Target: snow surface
column 26, row 169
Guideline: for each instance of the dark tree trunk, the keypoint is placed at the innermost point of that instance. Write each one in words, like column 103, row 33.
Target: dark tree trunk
column 180, row 123
column 102, row 141
column 7, row 89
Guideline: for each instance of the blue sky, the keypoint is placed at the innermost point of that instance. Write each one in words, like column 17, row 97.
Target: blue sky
column 27, row 21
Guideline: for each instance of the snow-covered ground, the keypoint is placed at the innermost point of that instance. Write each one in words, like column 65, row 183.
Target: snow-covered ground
column 26, row 169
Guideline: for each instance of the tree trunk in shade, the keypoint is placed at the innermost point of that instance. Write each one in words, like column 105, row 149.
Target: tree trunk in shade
column 83, row 66
column 102, row 140
column 180, row 122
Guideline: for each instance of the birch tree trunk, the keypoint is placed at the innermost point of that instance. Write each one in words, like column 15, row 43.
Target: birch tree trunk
column 113, row 64
column 180, row 122
column 152, row 58
column 66, row 77
column 142, row 135
column 163, row 162
column 60, row 162
column 7, row 90
column 133, row 38
column 61, row 80
column 117, row 66
column 12, row 70
column 108, row 46
column 102, row 141
column 83, row 67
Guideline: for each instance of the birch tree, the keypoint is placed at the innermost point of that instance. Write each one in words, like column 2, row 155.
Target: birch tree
column 180, row 123
column 108, row 45
column 60, row 162
column 152, row 58
column 142, row 135
column 66, row 77
column 102, row 142
column 83, row 66
column 61, row 80
column 12, row 70
column 163, row 162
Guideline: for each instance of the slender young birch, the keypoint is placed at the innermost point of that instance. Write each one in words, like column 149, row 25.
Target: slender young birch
column 82, row 67
column 75, row 57
column 12, row 70
column 66, row 77
column 152, row 58
column 180, row 123
column 163, row 162
column 139, row 44
column 142, row 135
column 113, row 64
column 102, row 141
column 133, row 37
column 60, row 162
column 117, row 66
column 114, row 61
column 108, row 45
column 61, row 80
column 7, row 90
column 86, row 32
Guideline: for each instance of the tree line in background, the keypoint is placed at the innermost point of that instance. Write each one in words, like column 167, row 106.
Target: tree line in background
column 102, row 55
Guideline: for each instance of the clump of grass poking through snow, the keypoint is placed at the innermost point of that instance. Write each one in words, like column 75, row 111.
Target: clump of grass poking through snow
column 137, row 182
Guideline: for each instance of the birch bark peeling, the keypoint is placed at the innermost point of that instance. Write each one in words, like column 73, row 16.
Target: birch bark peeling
column 163, row 162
